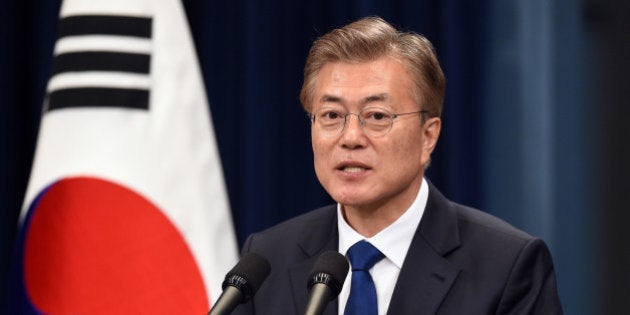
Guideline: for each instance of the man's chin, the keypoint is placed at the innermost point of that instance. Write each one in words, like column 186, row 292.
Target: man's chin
column 354, row 200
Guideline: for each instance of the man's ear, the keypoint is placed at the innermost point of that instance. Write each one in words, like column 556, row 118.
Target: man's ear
column 431, row 133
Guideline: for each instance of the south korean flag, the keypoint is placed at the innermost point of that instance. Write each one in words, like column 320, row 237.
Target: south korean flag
column 126, row 210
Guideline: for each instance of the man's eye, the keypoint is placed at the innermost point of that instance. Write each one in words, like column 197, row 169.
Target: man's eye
column 376, row 115
column 330, row 115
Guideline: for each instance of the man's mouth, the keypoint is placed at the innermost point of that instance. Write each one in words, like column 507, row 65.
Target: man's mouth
column 353, row 169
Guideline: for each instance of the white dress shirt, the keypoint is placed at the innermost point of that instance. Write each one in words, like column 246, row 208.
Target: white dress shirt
column 393, row 242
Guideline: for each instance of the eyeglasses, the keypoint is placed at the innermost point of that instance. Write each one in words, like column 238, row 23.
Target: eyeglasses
column 376, row 122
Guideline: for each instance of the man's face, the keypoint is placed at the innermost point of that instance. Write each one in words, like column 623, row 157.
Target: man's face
column 363, row 172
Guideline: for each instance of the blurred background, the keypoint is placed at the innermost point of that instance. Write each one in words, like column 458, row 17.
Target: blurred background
column 535, row 121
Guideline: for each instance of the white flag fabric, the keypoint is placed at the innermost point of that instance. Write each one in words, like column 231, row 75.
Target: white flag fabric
column 126, row 210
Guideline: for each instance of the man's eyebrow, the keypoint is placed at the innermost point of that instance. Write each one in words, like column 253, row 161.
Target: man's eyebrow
column 370, row 99
column 376, row 98
column 330, row 99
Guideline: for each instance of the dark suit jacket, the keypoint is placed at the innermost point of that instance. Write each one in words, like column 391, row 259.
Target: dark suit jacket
column 461, row 261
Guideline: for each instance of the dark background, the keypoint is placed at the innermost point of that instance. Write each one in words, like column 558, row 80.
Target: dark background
column 535, row 127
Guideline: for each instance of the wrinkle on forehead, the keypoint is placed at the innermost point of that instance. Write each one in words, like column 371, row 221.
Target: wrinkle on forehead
column 376, row 98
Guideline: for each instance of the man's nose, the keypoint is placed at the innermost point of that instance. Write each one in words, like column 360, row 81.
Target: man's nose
column 353, row 135
column 353, row 123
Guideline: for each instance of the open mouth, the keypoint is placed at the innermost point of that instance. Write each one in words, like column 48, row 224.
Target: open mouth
column 353, row 169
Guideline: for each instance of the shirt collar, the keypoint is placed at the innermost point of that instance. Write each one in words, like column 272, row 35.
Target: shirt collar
column 394, row 240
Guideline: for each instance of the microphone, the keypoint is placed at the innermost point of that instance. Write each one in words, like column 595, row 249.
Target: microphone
column 241, row 283
column 327, row 277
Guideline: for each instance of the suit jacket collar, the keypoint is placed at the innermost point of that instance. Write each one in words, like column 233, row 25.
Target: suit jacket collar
column 320, row 237
column 439, row 223
column 426, row 276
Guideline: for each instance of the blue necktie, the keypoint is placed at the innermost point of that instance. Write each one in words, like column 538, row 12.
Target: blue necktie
column 362, row 299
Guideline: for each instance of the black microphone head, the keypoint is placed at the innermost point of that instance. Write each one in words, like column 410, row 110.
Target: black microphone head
column 248, row 275
column 331, row 269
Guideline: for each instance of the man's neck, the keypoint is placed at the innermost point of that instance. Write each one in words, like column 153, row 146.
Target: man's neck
column 368, row 223
column 368, row 220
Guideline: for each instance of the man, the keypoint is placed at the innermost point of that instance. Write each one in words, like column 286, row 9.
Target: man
column 375, row 97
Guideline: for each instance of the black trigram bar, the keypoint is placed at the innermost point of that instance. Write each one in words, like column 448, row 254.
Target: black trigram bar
column 99, row 97
column 101, row 61
column 104, row 25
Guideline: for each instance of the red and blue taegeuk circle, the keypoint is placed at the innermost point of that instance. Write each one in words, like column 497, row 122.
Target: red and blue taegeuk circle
column 92, row 246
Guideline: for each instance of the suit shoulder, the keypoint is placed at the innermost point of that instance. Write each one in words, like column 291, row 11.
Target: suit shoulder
column 308, row 231
column 299, row 223
column 477, row 219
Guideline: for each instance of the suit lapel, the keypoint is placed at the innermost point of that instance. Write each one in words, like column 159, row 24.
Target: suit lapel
column 426, row 276
column 319, row 236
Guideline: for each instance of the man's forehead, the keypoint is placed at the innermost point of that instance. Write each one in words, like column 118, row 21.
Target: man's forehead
column 370, row 98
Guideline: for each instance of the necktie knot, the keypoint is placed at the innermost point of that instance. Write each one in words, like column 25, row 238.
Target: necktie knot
column 363, row 256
